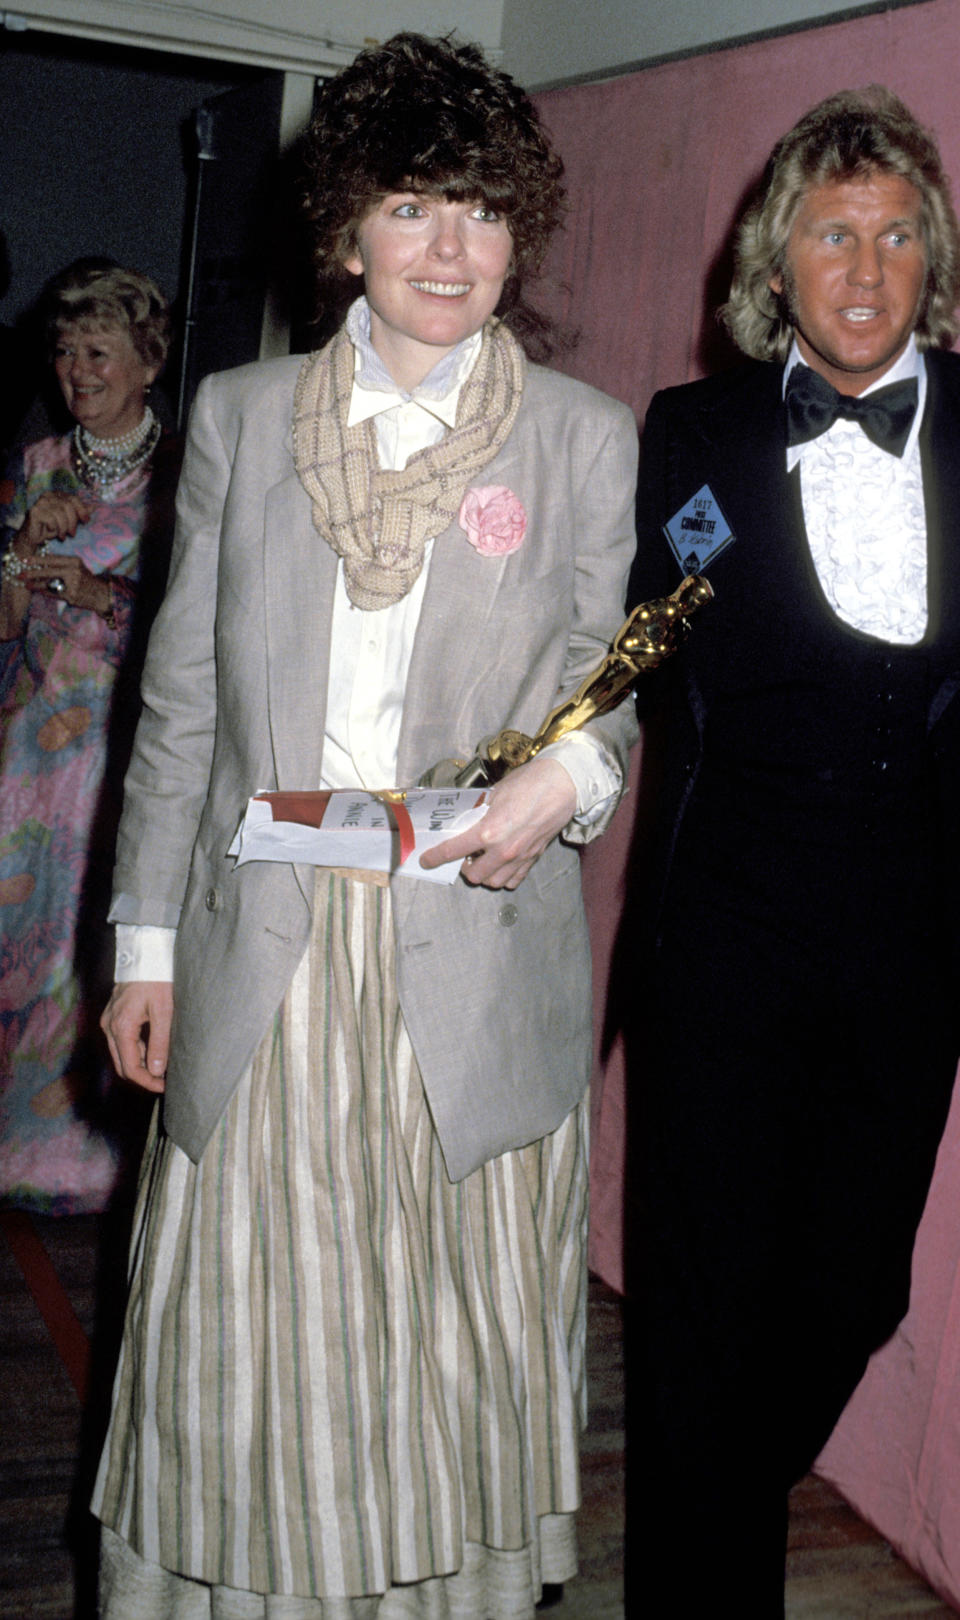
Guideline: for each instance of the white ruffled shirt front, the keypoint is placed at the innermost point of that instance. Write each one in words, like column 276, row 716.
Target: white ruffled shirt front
column 865, row 520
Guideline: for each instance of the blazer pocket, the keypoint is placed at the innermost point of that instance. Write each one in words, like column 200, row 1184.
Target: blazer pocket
column 531, row 595
column 559, row 863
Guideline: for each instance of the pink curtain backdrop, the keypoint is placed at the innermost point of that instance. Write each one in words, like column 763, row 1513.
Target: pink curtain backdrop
column 658, row 164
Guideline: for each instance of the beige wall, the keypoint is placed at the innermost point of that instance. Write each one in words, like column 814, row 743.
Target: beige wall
column 300, row 35
column 541, row 40
column 548, row 40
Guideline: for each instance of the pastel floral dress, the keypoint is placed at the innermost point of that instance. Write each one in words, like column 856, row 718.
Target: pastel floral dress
column 68, row 699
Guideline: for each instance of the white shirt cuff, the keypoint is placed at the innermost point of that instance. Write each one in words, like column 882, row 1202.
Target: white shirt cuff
column 594, row 774
column 144, row 952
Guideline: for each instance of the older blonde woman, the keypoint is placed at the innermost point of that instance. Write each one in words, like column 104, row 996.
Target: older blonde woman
column 86, row 524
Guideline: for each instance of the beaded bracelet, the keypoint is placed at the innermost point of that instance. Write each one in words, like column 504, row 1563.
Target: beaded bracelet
column 13, row 565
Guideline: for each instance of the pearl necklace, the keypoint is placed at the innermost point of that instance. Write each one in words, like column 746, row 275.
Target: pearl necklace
column 101, row 464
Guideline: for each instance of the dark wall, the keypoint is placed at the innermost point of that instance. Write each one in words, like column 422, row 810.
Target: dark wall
column 92, row 156
column 94, row 144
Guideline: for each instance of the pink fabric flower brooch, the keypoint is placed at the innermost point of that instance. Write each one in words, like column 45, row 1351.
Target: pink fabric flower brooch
column 493, row 519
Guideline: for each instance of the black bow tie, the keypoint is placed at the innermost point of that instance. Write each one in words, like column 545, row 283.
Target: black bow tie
column 813, row 405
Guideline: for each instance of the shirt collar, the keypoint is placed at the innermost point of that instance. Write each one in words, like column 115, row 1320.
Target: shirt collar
column 374, row 390
column 909, row 364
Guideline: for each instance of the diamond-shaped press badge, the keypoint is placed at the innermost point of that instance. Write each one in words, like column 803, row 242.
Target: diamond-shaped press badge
column 698, row 532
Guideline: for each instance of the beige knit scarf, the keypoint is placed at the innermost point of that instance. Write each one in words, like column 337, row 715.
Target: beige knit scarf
column 379, row 521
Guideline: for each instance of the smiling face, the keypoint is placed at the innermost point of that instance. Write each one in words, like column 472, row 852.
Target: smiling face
column 854, row 278
column 434, row 270
column 102, row 378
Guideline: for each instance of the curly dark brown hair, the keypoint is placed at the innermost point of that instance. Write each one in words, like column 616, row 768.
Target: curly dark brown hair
column 430, row 116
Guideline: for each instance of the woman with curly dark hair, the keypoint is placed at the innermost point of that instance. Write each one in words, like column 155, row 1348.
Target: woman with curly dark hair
column 352, row 1376
column 438, row 112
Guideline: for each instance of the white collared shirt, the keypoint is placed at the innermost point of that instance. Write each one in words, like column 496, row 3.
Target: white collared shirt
column 864, row 516
column 370, row 650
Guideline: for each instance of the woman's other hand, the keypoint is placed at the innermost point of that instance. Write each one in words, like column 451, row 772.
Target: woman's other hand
column 136, row 1022
column 52, row 517
column 528, row 808
column 70, row 580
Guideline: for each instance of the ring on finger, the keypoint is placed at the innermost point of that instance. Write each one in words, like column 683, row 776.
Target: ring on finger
column 56, row 585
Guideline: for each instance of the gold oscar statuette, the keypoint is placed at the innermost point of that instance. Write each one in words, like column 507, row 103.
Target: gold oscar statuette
column 653, row 631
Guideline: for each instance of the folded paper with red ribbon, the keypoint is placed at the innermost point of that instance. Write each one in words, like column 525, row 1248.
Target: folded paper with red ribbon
column 353, row 828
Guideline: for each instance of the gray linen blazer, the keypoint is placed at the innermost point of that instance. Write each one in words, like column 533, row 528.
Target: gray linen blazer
column 494, row 986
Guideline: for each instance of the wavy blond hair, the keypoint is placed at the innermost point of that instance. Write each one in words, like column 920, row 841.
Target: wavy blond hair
column 97, row 296
column 850, row 135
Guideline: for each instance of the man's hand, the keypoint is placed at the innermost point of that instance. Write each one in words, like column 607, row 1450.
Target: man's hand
column 527, row 810
column 136, row 1022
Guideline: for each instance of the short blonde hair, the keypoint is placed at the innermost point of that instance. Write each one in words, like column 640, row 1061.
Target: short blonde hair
column 112, row 297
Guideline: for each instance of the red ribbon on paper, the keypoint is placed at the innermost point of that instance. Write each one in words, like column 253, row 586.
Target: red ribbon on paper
column 307, row 808
column 401, row 820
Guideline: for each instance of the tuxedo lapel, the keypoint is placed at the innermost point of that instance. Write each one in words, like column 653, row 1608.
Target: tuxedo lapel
column 300, row 572
column 940, row 455
column 737, row 446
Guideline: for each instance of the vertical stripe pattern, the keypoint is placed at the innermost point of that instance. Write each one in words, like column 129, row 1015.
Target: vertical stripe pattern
column 342, row 1373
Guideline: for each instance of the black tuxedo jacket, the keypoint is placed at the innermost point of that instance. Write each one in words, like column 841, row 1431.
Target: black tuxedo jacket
column 769, row 629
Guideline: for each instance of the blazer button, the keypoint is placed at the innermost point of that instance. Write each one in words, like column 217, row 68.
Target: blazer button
column 508, row 915
column 211, row 900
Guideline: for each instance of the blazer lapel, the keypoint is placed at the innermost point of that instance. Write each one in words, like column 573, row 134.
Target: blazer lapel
column 451, row 650
column 300, row 572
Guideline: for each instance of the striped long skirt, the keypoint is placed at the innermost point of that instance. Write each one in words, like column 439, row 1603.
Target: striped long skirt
column 348, row 1386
